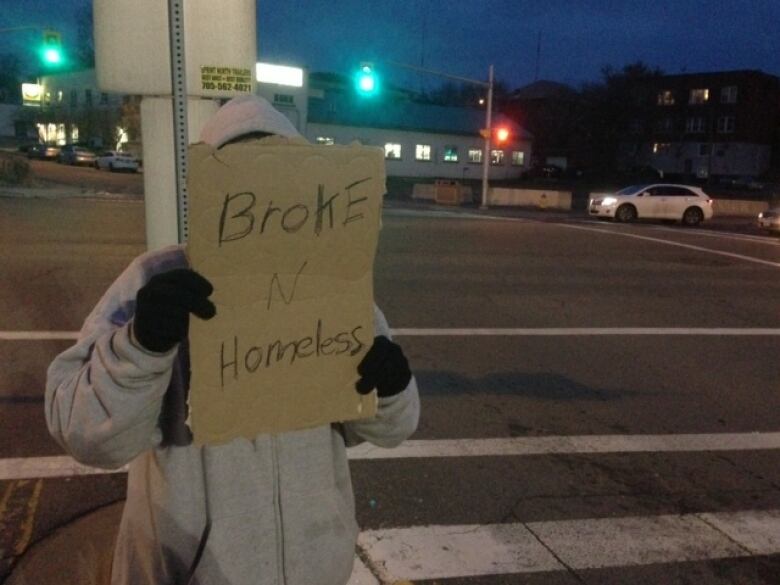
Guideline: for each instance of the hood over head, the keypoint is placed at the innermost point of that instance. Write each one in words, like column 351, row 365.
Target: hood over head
column 243, row 115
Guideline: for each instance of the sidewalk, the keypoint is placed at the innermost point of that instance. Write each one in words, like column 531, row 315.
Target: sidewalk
column 78, row 553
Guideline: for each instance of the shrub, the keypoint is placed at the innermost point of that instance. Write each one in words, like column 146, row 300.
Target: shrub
column 14, row 170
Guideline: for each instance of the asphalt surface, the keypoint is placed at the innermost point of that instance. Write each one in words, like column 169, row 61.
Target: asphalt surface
column 445, row 269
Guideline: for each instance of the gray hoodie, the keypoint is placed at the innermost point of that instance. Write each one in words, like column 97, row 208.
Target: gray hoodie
column 280, row 507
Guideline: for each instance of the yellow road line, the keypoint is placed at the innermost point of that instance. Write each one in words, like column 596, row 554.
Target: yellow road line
column 3, row 507
column 29, row 519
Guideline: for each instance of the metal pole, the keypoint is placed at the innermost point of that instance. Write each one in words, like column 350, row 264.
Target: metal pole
column 488, row 134
column 179, row 86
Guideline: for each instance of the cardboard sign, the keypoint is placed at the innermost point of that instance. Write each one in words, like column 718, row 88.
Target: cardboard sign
column 286, row 232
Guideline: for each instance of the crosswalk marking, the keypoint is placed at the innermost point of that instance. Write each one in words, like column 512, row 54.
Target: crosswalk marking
column 65, row 466
column 439, row 552
column 584, row 331
column 484, row 331
column 583, row 444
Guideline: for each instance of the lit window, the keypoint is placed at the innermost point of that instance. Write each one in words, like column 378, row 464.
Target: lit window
column 392, row 151
column 475, row 155
column 496, row 157
column 726, row 125
column 518, row 158
column 450, row 153
column 61, row 138
column 121, row 137
column 695, row 125
column 665, row 98
column 59, row 96
column 699, row 96
column 728, row 95
column 47, row 98
column 660, row 147
column 327, row 140
column 422, row 152
column 74, row 133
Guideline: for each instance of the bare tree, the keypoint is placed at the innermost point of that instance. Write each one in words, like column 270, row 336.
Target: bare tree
column 10, row 78
column 85, row 45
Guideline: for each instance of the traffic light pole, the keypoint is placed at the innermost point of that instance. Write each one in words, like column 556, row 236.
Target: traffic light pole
column 488, row 116
column 488, row 134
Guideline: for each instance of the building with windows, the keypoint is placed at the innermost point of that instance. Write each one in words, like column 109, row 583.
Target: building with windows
column 419, row 139
column 720, row 124
column 70, row 108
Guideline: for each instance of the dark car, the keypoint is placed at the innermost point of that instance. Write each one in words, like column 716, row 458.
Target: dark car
column 72, row 154
column 43, row 151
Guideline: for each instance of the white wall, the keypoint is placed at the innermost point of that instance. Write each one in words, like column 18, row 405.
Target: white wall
column 407, row 166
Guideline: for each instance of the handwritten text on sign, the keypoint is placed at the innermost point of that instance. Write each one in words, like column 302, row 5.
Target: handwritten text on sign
column 286, row 232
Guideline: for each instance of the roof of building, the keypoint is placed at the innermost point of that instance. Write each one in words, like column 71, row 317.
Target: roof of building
column 405, row 115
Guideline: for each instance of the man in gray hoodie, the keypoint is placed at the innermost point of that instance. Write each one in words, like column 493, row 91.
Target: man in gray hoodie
column 277, row 509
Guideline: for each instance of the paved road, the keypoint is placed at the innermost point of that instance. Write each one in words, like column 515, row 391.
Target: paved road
column 592, row 394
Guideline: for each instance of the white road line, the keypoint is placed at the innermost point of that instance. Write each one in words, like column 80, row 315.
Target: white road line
column 440, row 552
column 444, row 214
column 722, row 235
column 64, row 466
column 579, row 331
column 53, row 466
column 670, row 243
column 567, row 445
column 37, row 335
column 498, row 331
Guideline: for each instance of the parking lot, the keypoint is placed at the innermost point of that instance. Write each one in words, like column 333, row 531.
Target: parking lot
column 599, row 401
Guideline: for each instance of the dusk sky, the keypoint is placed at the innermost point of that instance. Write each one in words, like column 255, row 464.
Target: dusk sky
column 463, row 37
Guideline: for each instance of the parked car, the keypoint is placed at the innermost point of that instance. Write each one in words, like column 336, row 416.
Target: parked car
column 72, row 154
column 115, row 160
column 43, row 151
column 684, row 203
column 770, row 220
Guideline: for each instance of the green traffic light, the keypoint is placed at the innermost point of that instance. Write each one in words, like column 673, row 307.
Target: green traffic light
column 366, row 81
column 52, row 56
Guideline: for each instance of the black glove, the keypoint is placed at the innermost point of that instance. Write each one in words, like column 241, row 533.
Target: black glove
column 164, row 304
column 385, row 368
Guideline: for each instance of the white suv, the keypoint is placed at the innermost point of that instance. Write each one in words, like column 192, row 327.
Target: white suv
column 684, row 203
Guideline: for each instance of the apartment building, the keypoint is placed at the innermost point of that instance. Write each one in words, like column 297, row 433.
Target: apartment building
column 719, row 125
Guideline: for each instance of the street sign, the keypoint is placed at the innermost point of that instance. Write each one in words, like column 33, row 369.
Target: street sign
column 220, row 51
